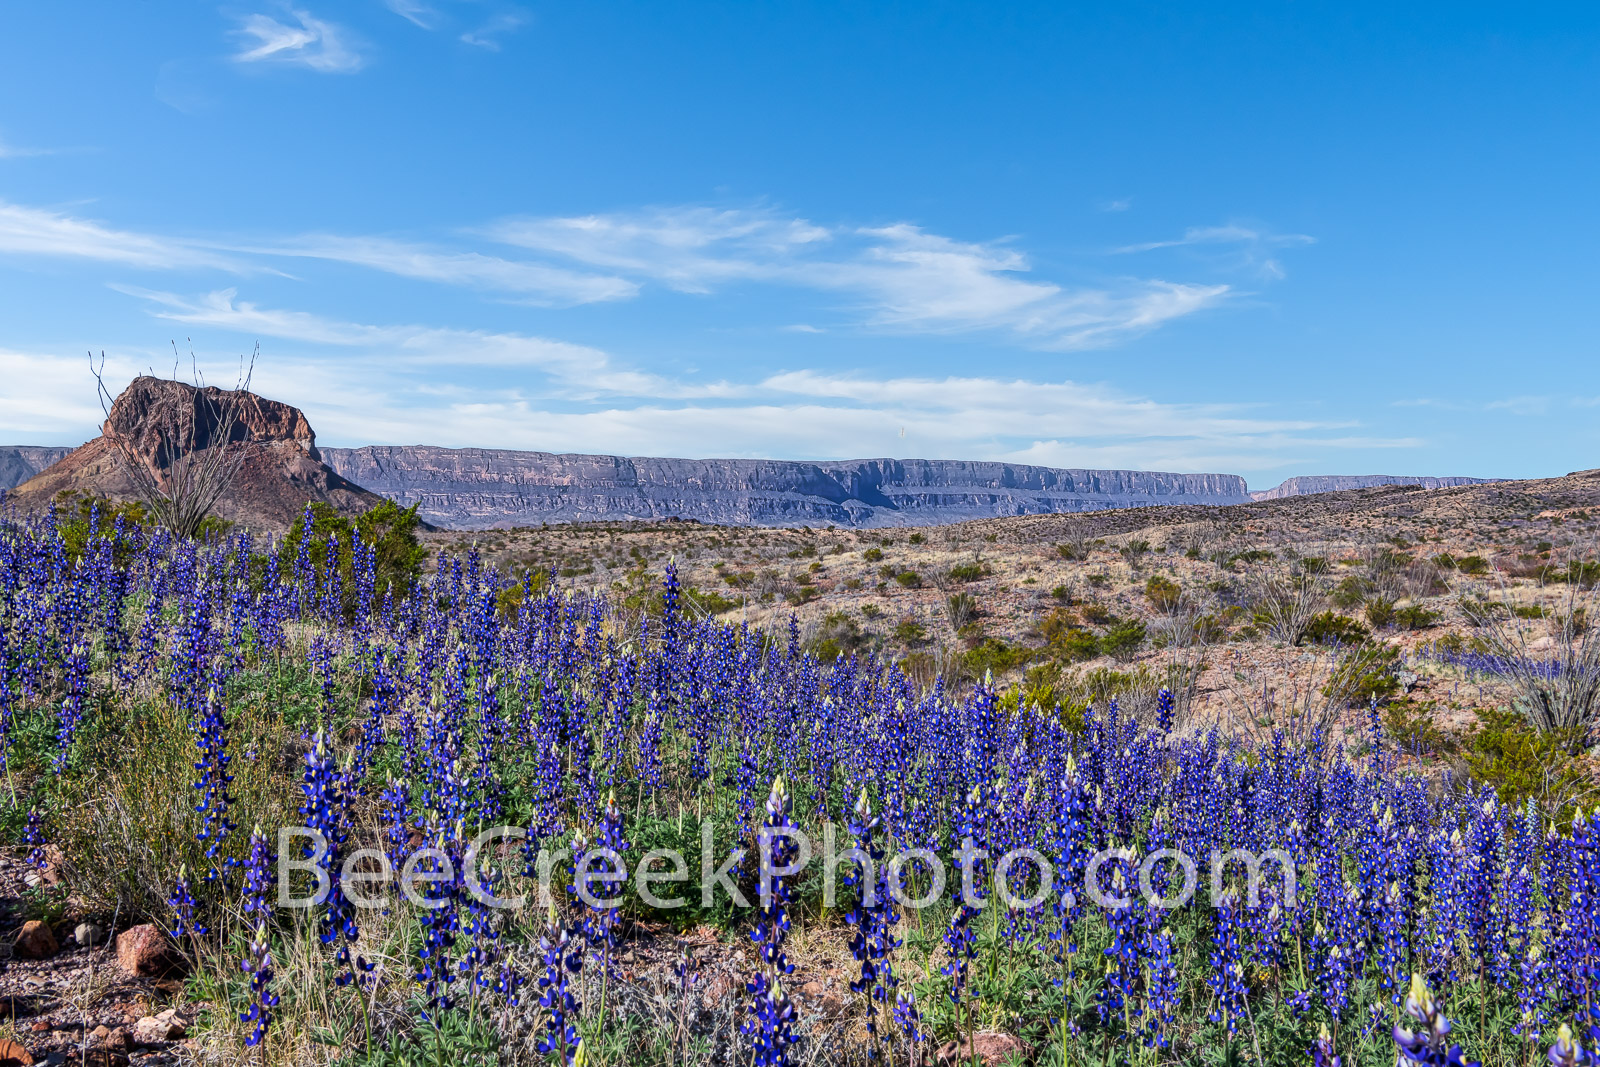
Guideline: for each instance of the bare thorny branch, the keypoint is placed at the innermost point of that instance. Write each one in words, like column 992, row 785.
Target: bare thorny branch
column 193, row 458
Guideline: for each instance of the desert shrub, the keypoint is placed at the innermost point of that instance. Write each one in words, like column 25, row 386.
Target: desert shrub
column 1523, row 763
column 910, row 632
column 1472, row 565
column 803, row 594
column 1379, row 612
column 1445, row 561
column 1313, row 565
column 1075, row 646
column 995, row 657
column 960, row 608
column 1583, row 574
column 1164, row 594
column 1070, row 552
column 888, row 570
column 909, row 579
column 1123, row 640
column 1097, row 613
column 968, row 572
column 1283, row 608
column 708, row 601
column 1134, row 550
column 1057, row 624
column 78, row 517
column 872, row 555
column 1252, row 555
column 1409, row 726
column 389, row 529
column 838, row 634
column 916, row 539
column 740, row 579
column 1416, row 617
column 871, row 611
column 1351, row 592
column 1364, row 676
column 1062, row 593
column 1099, row 581
column 1331, row 628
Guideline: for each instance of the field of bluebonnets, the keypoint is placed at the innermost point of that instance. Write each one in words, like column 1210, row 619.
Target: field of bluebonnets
column 167, row 706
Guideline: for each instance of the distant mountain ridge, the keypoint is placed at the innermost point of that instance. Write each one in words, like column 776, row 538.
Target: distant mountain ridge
column 18, row 463
column 1333, row 483
column 479, row 488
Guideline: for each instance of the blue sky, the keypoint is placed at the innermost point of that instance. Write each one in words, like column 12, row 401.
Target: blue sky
column 1265, row 239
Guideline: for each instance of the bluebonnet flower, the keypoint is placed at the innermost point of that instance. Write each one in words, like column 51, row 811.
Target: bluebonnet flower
column 258, row 867
column 1227, row 971
column 211, row 738
column 1428, row 1044
column 259, row 966
column 562, row 958
column 872, row 940
column 772, row 1015
column 1322, row 1054
column 183, row 907
column 33, row 837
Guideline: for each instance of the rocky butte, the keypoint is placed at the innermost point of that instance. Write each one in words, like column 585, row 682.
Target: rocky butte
column 479, row 488
column 281, row 471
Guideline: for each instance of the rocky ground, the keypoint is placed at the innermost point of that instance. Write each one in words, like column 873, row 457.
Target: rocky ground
column 891, row 589
column 70, row 994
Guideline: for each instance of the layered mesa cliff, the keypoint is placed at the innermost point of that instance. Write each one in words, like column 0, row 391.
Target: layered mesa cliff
column 478, row 488
column 1333, row 483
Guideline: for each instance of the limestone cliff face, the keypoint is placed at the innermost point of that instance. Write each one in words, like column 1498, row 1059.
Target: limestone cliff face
column 1333, row 483
column 476, row 488
column 18, row 463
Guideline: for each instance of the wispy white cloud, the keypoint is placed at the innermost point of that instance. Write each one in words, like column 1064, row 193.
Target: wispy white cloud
column 413, row 11
column 538, row 282
column 1242, row 247
column 309, row 42
column 39, row 232
column 1520, row 405
column 897, row 277
column 379, row 384
column 1122, row 204
column 16, row 151
column 901, row 276
column 574, row 371
column 487, row 35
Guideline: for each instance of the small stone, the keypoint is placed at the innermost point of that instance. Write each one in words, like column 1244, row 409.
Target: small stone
column 88, row 935
column 40, row 1027
column 176, row 1024
column 150, row 1031
column 143, row 950
column 991, row 1049
column 13, row 1054
column 119, row 1040
column 35, row 941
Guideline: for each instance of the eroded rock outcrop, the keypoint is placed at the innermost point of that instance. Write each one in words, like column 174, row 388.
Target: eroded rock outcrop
column 477, row 488
column 281, row 471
